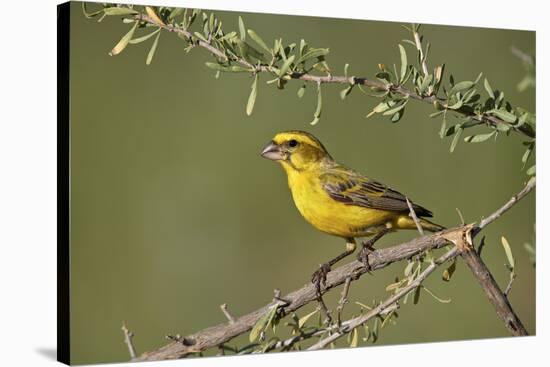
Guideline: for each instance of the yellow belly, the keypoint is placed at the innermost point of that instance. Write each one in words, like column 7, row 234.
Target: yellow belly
column 331, row 216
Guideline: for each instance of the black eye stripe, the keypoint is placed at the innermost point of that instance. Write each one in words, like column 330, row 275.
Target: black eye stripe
column 292, row 143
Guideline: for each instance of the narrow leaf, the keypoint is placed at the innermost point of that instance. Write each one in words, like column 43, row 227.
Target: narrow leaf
column 455, row 139
column 344, row 92
column 302, row 321
column 403, row 63
column 151, row 12
column 263, row 323
column 242, row 29
column 286, row 66
column 459, row 87
column 395, row 109
column 258, row 40
column 489, row 89
column 115, row 10
column 479, row 138
column 317, row 114
column 301, row 91
column 252, row 96
column 121, row 45
column 448, row 273
column 152, row 50
column 504, row 115
column 143, row 38
column 354, row 338
column 508, row 252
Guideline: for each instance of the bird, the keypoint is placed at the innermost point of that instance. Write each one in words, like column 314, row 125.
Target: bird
column 340, row 201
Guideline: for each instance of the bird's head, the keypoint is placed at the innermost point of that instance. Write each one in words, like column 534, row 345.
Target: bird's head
column 295, row 150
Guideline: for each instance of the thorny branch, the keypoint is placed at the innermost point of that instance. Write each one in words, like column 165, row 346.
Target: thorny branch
column 352, row 80
column 460, row 236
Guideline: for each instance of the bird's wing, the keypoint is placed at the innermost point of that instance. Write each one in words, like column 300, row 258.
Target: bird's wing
column 352, row 188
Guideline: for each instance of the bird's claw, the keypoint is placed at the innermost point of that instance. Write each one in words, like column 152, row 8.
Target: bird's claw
column 319, row 277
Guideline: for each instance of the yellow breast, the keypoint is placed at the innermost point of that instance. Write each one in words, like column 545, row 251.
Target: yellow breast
column 329, row 215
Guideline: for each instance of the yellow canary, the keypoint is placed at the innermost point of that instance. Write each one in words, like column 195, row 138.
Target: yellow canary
column 337, row 200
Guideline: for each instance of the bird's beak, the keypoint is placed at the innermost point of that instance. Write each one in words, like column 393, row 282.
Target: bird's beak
column 273, row 151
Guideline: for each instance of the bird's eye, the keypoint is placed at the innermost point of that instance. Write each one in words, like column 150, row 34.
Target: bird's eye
column 292, row 143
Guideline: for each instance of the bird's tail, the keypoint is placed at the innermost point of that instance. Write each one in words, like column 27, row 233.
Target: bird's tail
column 430, row 226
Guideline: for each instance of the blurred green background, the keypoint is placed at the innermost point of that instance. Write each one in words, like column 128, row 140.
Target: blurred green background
column 174, row 212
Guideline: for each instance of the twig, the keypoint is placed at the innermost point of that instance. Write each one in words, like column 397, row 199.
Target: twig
column 520, row 195
column 489, row 119
column 343, row 300
column 509, row 286
column 128, row 335
column 360, row 320
column 323, row 307
column 226, row 313
column 415, row 218
column 460, row 216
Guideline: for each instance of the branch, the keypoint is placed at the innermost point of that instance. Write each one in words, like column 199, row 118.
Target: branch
column 520, row 195
column 497, row 298
column 219, row 334
column 210, row 47
column 216, row 335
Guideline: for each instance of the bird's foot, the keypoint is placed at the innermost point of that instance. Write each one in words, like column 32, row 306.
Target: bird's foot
column 319, row 277
column 363, row 255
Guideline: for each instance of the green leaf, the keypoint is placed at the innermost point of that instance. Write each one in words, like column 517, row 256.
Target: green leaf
column 479, row 138
column 504, row 115
column 119, row 11
column 425, row 83
column 489, row 89
column 258, row 40
column 403, row 63
column 443, row 128
column 395, row 109
column 302, row 321
column 301, row 91
column 381, row 107
column 354, row 338
column 448, row 273
column 143, row 38
column 311, row 53
column 455, row 106
column 286, row 66
column 263, row 323
column 346, row 67
column 242, row 29
column 229, row 69
column 531, row 170
column 252, row 96
column 456, row 138
column 152, row 50
column 397, row 116
column 317, row 114
column 416, row 296
column 344, row 92
column 508, row 252
column 121, row 45
column 90, row 15
column 461, row 86
column 527, row 153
